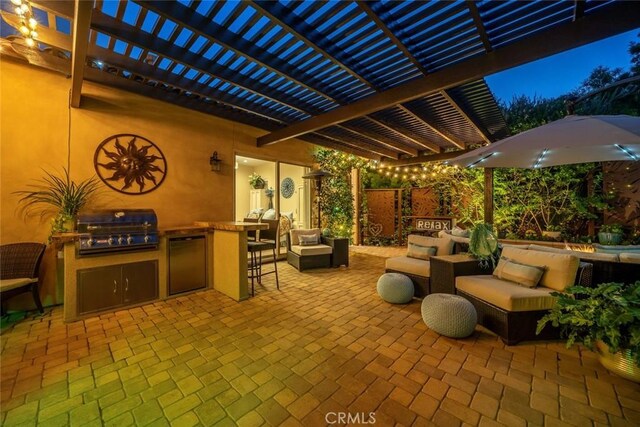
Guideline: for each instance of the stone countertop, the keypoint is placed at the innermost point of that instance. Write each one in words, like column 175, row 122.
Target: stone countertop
column 232, row 225
column 182, row 230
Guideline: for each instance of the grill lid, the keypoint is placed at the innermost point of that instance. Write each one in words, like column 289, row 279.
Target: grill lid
column 117, row 220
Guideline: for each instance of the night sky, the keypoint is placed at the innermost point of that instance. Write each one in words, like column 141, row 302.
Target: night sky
column 559, row 74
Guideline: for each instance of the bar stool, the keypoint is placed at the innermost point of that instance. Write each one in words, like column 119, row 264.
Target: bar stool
column 266, row 241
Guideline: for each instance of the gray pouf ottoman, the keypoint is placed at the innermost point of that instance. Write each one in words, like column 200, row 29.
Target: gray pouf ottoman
column 395, row 288
column 449, row 315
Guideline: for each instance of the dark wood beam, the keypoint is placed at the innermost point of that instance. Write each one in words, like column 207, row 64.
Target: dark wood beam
column 431, row 127
column 466, row 116
column 488, row 195
column 353, row 142
column 214, row 32
column 380, row 139
column 81, row 26
column 115, row 81
column 133, row 35
column 426, row 158
column 62, row 8
column 390, row 35
column 286, row 19
column 477, row 20
column 322, row 142
column 578, row 9
column 557, row 39
column 403, row 134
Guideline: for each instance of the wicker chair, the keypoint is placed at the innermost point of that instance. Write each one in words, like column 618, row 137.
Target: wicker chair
column 19, row 265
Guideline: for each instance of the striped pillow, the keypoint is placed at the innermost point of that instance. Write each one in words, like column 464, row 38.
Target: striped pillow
column 415, row 250
column 308, row 239
column 521, row 274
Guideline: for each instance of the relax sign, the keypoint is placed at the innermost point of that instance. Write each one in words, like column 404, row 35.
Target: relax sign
column 433, row 224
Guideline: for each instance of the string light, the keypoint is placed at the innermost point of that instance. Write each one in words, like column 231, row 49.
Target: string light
column 28, row 23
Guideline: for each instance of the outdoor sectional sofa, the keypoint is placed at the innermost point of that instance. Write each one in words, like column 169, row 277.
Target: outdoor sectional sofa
column 512, row 311
column 419, row 270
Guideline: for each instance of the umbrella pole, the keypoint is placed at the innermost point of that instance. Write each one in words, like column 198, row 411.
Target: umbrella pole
column 488, row 195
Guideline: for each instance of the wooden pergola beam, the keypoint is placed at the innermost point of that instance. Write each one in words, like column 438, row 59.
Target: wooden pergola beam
column 380, row 139
column 431, row 127
column 440, row 157
column 421, row 142
column 477, row 20
column 263, row 8
column 80, row 35
column 321, row 142
column 464, row 114
column 557, row 39
column 578, row 9
column 382, row 152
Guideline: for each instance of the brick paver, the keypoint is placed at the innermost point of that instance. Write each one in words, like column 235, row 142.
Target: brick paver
column 324, row 343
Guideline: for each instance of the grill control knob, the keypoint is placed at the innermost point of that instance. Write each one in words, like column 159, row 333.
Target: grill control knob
column 147, row 238
column 110, row 241
column 120, row 240
column 90, row 242
column 129, row 240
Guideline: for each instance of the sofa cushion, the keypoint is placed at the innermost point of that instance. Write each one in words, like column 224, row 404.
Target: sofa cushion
column 456, row 239
column 630, row 258
column 311, row 250
column 521, row 274
column 417, row 251
column 297, row 232
column 596, row 256
column 560, row 269
column 417, row 267
column 506, row 295
column 617, row 249
column 444, row 244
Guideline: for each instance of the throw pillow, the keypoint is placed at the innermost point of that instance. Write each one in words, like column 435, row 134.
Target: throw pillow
column 308, row 239
column 460, row 232
column 521, row 274
column 421, row 252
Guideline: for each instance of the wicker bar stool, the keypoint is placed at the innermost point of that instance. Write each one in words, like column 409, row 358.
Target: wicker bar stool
column 266, row 241
column 19, row 265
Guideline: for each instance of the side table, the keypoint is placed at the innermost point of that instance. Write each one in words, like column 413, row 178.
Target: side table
column 445, row 269
column 340, row 254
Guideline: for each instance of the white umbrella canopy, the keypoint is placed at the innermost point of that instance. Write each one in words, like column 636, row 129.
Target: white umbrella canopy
column 573, row 139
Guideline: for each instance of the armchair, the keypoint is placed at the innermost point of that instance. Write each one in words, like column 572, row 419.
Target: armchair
column 19, row 265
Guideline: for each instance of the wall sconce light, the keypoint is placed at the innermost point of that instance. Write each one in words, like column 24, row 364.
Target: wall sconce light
column 215, row 162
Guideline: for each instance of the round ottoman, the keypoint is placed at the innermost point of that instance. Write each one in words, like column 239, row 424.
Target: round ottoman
column 395, row 288
column 449, row 315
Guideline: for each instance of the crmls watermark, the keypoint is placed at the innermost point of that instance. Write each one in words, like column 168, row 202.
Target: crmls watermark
column 350, row 418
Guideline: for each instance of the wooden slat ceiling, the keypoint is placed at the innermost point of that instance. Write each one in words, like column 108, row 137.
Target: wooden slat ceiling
column 379, row 79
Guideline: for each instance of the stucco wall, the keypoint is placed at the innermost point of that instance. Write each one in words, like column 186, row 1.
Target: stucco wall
column 34, row 136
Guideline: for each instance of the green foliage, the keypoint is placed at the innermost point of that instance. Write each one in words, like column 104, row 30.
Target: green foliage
column 609, row 313
column 483, row 244
column 60, row 193
column 612, row 228
column 256, row 181
column 336, row 198
column 56, row 196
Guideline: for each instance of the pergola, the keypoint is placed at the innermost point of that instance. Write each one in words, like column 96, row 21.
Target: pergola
column 395, row 81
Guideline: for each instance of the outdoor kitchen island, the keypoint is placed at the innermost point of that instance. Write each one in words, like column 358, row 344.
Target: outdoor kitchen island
column 107, row 282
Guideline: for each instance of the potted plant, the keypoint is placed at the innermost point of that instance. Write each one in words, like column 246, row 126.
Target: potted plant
column 483, row 244
column 256, row 181
column 64, row 195
column 606, row 318
column 610, row 234
column 553, row 232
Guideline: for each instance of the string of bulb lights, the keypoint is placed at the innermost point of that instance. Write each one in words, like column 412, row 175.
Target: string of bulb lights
column 28, row 23
column 402, row 172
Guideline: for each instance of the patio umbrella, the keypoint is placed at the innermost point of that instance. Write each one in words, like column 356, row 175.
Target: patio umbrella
column 573, row 139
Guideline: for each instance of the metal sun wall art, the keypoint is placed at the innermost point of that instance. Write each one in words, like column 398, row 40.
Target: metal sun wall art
column 130, row 164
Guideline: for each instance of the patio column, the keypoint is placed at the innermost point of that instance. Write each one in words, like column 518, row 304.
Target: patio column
column 488, row 195
column 357, row 200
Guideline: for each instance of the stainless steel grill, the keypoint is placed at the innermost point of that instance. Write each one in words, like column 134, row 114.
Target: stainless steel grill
column 117, row 230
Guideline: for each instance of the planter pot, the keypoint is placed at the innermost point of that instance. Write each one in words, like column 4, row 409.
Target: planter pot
column 552, row 234
column 258, row 186
column 619, row 363
column 609, row 238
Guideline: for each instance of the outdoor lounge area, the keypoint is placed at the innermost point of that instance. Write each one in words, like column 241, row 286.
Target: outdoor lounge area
column 307, row 213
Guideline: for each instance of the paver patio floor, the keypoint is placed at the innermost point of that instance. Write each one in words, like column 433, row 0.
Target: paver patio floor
column 325, row 343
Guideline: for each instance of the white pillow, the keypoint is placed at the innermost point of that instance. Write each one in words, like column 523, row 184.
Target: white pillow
column 308, row 239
